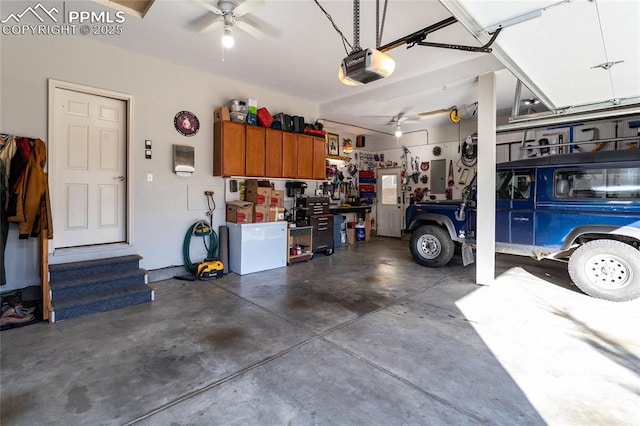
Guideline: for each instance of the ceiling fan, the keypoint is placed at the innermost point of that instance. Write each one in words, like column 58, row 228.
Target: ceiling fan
column 228, row 13
column 400, row 118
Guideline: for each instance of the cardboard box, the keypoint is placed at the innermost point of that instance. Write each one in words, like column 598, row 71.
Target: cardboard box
column 260, row 214
column 259, row 196
column 276, row 214
column 277, row 198
column 239, row 212
column 221, row 114
column 351, row 235
column 258, row 192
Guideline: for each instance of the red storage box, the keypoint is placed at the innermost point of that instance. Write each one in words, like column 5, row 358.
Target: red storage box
column 264, row 117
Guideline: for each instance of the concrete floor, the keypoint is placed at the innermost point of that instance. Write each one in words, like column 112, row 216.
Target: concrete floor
column 365, row 336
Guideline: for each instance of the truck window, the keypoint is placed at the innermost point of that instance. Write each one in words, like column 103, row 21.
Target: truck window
column 620, row 183
column 513, row 185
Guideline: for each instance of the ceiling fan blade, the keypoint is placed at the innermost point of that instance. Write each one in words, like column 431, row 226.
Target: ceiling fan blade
column 246, row 7
column 206, row 29
column 208, row 6
column 251, row 30
column 434, row 112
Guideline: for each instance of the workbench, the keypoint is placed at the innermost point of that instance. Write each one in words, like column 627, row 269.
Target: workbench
column 361, row 212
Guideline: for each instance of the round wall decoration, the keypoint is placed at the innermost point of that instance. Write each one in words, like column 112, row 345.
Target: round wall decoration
column 437, row 151
column 186, row 123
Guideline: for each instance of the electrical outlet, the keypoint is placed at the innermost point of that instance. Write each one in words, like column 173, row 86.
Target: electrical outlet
column 208, row 193
column 149, row 177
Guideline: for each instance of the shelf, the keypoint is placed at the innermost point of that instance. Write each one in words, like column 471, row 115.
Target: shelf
column 307, row 255
column 338, row 158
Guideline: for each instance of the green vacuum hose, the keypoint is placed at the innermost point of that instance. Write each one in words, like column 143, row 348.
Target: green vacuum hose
column 212, row 247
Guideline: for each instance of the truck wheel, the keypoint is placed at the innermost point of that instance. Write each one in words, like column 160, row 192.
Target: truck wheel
column 431, row 246
column 606, row 269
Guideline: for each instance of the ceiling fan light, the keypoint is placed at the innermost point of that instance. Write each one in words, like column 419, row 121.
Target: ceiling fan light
column 227, row 39
column 398, row 132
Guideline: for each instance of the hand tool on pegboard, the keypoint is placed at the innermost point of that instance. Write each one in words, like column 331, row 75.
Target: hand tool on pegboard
column 463, row 176
column 450, row 183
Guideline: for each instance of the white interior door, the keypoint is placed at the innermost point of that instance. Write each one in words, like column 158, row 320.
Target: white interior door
column 389, row 206
column 89, row 203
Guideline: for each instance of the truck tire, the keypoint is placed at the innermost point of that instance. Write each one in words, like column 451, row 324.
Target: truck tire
column 431, row 246
column 606, row 269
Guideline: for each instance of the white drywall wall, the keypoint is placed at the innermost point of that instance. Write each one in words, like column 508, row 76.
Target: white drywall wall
column 161, row 213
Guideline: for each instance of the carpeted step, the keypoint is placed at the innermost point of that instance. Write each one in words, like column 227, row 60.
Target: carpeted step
column 101, row 302
column 96, row 283
column 97, row 267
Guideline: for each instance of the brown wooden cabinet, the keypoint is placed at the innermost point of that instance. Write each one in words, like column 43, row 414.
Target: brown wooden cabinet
column 319, row 158
column 255, row 151
column 274, row 153
column 228, row 148
column 305, row 157
column 289, row 155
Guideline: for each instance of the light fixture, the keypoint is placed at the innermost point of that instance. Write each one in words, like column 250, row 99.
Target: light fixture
column 398, row 132
column 227, row 39
column 532, row 101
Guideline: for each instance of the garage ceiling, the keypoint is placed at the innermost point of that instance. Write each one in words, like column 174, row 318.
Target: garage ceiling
column 553, row 53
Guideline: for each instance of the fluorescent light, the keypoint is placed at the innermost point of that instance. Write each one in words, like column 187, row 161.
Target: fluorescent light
column 227, row 39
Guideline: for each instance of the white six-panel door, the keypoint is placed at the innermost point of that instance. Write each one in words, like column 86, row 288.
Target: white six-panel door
column 89, row 203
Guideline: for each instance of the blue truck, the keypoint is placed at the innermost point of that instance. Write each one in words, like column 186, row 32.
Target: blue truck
column 581, row 208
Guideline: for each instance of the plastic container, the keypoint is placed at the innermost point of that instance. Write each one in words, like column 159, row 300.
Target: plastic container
column 360, row 233
column 264, row 117
column 236, row 105
column 238, row 117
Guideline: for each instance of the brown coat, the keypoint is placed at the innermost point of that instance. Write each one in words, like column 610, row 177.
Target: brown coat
column 33, row 209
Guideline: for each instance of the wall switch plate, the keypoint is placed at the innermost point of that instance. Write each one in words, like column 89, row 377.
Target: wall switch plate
column 147, row 154
column 147, row 144
column 149, row 177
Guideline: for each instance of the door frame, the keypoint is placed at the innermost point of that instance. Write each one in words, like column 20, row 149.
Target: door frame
column 399, row 200
column 52, row 127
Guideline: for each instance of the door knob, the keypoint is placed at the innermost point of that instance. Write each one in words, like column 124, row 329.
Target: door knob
column 120, row 178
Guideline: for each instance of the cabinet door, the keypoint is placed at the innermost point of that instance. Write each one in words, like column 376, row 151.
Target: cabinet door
column 255, row 151
column 305, row 157
column 228, row 148
column 274, row 157
column 289, row 155
column 319, row 159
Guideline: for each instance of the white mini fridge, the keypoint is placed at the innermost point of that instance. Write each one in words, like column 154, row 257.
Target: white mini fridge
column 255, row 247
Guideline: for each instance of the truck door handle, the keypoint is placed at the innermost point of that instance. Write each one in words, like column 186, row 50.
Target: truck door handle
column 521, row 219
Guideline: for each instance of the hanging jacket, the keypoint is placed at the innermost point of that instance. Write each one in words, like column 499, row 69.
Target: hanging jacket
column 6, row 155
column 33, row 211
column 16, row 173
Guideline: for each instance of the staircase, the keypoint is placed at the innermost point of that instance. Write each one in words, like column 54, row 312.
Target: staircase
column 90, row 287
